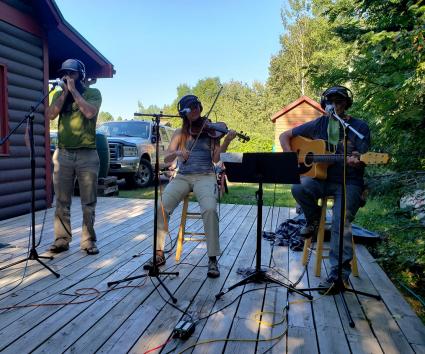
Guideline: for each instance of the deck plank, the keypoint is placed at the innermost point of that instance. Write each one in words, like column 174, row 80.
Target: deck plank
column 130, row 317
column 276, row 298
column 329, row 328
column 134, row 318
column 400, row 310
column 301, row 333
column 195, row 285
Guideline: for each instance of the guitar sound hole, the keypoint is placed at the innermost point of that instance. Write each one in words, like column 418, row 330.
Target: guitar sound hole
column 309, row 159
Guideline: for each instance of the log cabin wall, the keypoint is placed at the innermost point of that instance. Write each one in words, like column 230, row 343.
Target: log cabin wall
column 23, row 55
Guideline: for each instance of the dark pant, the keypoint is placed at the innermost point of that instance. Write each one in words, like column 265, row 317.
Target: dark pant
column 307, row 194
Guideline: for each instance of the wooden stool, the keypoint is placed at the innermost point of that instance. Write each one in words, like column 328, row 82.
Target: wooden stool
column 194, row 236
column 320, row 240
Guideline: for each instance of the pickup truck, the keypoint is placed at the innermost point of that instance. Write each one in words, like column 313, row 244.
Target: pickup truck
column 132, row 149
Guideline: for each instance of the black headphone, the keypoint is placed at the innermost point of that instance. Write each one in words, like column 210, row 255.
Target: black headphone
column 337, row 90
column 74, row 65
column 185, row 102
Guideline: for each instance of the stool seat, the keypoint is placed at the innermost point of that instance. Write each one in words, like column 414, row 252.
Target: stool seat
column 193, row 236
column 319, row 244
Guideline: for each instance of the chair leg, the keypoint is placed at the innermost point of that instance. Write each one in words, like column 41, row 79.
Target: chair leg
column 307, row 244
column 354, row 267
column 320, row 239
column 182, row 229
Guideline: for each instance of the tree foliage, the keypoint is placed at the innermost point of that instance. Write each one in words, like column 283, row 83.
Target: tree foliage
column 104, row 117
column 385, row 68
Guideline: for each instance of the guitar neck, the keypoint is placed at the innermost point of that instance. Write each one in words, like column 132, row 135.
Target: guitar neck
column 328, row 158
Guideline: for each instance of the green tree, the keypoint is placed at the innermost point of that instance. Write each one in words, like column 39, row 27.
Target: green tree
column 288, row 71
column 387, row 71
column 104, row 117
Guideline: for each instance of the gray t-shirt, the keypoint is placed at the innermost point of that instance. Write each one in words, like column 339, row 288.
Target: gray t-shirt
column 200, row 158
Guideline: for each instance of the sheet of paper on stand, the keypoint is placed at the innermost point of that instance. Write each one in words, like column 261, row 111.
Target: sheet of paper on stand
column 235, row 157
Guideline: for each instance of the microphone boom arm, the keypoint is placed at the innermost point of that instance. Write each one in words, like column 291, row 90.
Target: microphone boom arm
column 345, row 124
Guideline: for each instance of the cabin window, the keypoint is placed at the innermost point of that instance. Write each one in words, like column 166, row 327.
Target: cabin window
column 4, row 117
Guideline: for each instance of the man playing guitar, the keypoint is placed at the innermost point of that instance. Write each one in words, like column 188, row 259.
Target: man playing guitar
column 311, row 189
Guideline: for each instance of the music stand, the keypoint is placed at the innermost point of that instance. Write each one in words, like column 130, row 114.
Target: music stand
column 258, row 167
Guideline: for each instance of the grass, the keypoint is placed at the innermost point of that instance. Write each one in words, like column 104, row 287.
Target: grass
column 401, row 253
column 239, row 193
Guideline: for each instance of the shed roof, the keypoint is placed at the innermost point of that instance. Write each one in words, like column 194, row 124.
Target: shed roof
column 296, row 103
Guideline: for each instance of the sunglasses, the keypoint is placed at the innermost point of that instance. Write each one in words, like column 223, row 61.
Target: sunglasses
column 194, row 106
column 338, row 100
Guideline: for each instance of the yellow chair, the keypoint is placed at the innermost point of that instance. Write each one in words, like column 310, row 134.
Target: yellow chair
column 319, row 244
column 194, row 236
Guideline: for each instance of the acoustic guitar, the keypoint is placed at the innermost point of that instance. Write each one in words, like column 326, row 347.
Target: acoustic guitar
column 314, row 159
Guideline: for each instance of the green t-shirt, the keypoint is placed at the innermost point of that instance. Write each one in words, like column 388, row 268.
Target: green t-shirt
column 74, row 130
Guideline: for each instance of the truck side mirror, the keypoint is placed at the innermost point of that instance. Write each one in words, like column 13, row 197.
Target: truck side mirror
column 153, row 139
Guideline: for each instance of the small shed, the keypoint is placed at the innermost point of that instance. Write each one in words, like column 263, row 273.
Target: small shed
column 34, row 40
column 302, row 110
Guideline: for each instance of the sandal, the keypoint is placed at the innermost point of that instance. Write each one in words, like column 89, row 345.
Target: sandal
column 91, row 250
column 58, row 249
column 159, row 259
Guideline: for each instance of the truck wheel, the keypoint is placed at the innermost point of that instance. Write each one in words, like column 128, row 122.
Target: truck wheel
column 143, row 177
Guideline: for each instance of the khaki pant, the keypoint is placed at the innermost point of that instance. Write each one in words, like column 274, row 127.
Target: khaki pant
column 205, row 189
column 68, row 164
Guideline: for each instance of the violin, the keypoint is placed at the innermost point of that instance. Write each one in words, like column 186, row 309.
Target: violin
column 214, row 130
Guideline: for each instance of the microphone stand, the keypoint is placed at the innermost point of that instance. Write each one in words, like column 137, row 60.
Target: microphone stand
column 33, row 255
column 154, row 270
column 339, row 284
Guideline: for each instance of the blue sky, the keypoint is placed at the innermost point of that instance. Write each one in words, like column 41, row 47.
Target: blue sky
column 156, row 45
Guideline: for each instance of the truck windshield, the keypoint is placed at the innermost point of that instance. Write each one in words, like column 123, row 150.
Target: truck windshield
column 133, row 129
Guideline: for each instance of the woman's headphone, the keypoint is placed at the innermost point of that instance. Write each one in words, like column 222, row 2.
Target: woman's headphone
column 185, row 102
column 337, row 90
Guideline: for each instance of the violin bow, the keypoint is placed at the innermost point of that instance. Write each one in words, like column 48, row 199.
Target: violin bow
column 215, row 100
column 205, row 121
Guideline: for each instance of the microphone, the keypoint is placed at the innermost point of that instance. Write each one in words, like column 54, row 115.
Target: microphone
column 329, row 108
column 57, row 82
column 185, row 111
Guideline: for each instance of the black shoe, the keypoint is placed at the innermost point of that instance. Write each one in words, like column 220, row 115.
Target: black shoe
column 309, row 230
column 58, row 249
column 330, row 287
column 213, row 271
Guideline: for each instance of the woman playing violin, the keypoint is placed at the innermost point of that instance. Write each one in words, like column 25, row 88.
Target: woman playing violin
column 196, row 151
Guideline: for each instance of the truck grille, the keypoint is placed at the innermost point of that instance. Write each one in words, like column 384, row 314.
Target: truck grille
column 115, row 151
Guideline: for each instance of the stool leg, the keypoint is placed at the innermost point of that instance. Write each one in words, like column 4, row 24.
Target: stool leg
column 355, row 269
column 307, row 244
column 320, row 239
column 182, row 229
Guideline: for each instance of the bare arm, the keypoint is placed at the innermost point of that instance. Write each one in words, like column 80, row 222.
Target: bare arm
column 88, row 110
column 54, row 109
column 218, row 149
column 285, row 140
column 173, row 151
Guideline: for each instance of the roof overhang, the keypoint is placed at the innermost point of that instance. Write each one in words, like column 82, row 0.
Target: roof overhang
column 65, row 42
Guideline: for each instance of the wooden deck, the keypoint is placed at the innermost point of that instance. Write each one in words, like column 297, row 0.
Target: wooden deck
column 135, row 318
